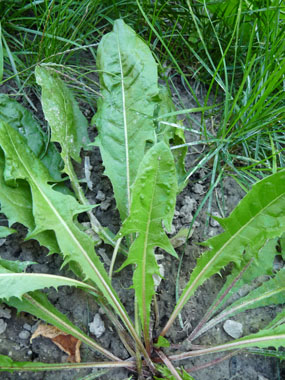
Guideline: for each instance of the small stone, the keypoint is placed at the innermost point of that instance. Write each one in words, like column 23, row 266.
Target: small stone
column 5, row 312
column 97, row 327
column 24, row 334
column 105, row 205
column 27, row 327
column 3, row 326
column 213, row 222
column 198, row 189
column 233, row 328
column 100, row 196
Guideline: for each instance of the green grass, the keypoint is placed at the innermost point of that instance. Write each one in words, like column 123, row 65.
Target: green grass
column 232, row 50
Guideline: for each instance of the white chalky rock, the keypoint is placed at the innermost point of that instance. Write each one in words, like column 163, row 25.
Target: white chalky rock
column 233, row 328
column 97, row 327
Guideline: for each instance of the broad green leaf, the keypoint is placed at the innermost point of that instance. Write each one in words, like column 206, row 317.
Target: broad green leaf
column 16, row 204
column 270, row 292
column 6, row 231
column 128, row 78
column 67, row 123
column 259, row 216
column 22, row 119
column 9, row 365
column 55, row 211
column 17, row 284
column 168, row 131
column 153, row 203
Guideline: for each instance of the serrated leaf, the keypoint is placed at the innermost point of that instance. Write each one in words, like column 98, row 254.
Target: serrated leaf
column 67, row 123
column 17, row 284
column 37, row 304
column 16, row 204
column 6, row 231
column 265, row 338
column 248, row 271
column 270, row 292
column 259, row 216
column 128, row 78
column 1, row 55
column 9, row 365
column 153, row 203
column 15, row 265
column 22, row 119
column 168, row 131
column 55, row 211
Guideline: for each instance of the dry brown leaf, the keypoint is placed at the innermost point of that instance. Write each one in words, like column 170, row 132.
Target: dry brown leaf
column 64, row 341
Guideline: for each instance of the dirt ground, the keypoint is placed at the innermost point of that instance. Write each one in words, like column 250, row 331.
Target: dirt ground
column 16, row 329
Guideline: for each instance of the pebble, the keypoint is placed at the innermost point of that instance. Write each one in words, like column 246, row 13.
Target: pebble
column 24, row 334
column 198, row 189
column 100, row 196
column 27, row 327
column 5, row 312
column 3, row 326
column 233, row 328
column 97, row 327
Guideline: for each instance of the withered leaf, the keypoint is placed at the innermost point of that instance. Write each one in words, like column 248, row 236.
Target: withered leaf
column 66, row 342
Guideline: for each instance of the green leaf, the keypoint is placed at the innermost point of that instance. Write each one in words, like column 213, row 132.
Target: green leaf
column 270, row 292
column 15, row 266
column 17, row 284
column 1, row 55
column 6, row 231
column 128, row 78
column 153, row 203
column 22, row 119
column 168, row 131
column 8, row 365
column 37, row 304
column 257, row 218
column 282, row 245
column 265, row 338
column 67, row 123
column 167, row 375
column 162, row 342
column 55, row 211
column 249, row 270
column 16, row 204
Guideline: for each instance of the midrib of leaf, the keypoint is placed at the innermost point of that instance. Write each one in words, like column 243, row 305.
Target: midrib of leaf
column 145, row 260
column 229, row 346
column 125, row 129
column 187, row 294
column 82, row 250
column 70, row 329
